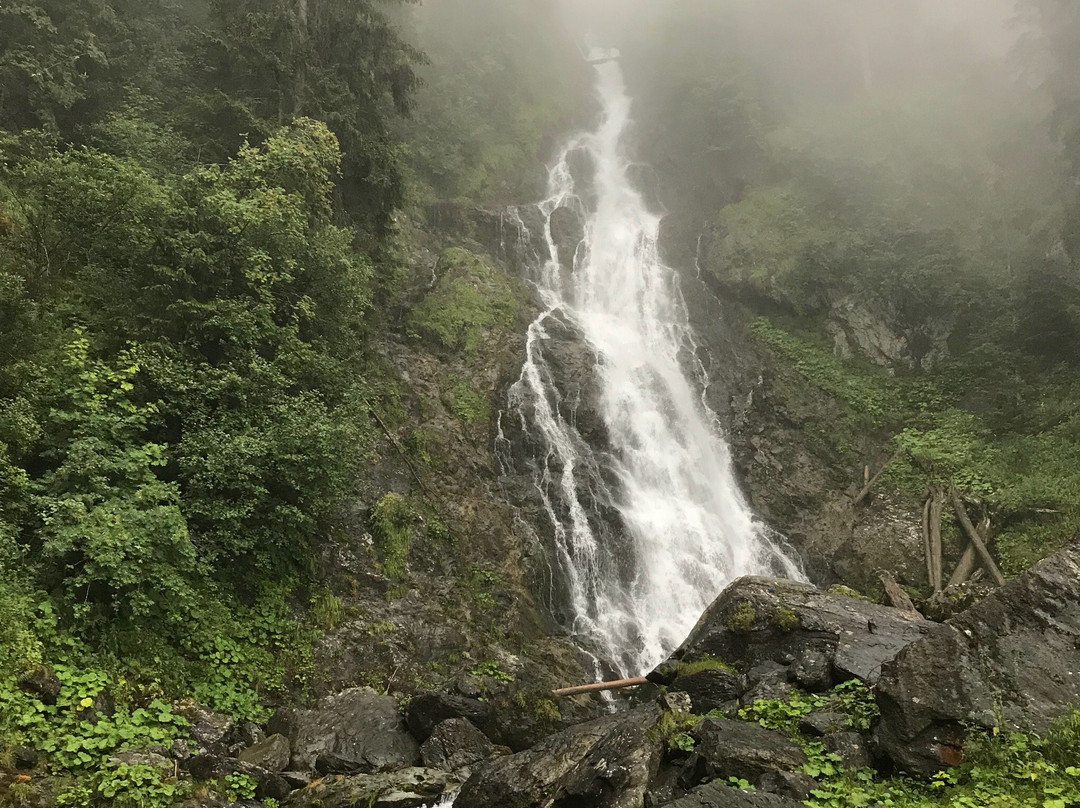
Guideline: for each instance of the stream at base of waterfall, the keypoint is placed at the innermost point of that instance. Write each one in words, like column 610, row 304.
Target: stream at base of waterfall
column 683, row 530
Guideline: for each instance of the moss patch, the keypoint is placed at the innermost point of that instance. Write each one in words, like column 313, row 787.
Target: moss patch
column 742, row 618
column 392, row 521
column 707, row 663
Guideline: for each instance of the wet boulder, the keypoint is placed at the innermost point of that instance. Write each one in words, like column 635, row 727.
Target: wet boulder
column 786, row 631
column 211, row 732
column 42, row 683
column 455, row 745
column 1011, row 661
column 426, row 711
column 850, row 747
column 272, row 753
column 724, row 749
column 355, row 731
column 604, row 763
column 407, row 788
column 712, row 689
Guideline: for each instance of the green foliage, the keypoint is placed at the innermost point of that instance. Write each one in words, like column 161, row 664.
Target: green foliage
column 392, row 524
column 471, row 299
column 852, row 698
column 469, row 405
column 239, row 786
column 124, row 786
column 492, row 669
column 326, row 609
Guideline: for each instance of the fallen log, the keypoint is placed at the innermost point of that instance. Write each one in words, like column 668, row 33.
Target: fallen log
column 936, row 507
column 926, row 542
column 596, row 687
column 870, row 482
column 968, row 563
column 975, row 538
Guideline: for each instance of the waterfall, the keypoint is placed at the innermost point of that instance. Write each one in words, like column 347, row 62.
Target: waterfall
column 631, row 586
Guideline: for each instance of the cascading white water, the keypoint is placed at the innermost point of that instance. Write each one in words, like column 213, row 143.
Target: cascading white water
column 685, row 529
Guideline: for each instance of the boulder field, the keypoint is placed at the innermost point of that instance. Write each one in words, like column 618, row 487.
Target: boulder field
column 1011, row 662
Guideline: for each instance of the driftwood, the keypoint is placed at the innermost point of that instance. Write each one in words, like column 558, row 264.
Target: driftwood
column 936, row 506
column 894, row 595
column 871, row 480
column 975, row 538
column 968, row 563
column 596, row 687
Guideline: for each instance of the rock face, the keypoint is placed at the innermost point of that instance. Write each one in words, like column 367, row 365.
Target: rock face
column 777, row 629
column 735, row 749
column 1015, row 654
column 455, row 745
column 426, row 711
column 408, row 788
column 605, row 763
column 355, row 731
column 718, row 795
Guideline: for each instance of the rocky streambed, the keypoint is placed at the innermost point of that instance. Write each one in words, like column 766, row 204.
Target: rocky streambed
column 907, row 691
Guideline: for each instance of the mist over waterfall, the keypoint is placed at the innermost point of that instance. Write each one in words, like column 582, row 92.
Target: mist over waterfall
column 647, row 521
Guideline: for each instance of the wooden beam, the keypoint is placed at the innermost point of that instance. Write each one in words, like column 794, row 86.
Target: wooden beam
column 969, row 561
column 975, row 538
column 926, row 542
column 596, row 687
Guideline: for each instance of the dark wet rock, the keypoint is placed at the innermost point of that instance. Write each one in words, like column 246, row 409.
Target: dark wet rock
column 272, row 753
column 726, row 748
column 454, row 745
column 358, row 728
column 604, row 763
column 567, row 231
column 297, row 779
column 811, row 671
column 822, row 723
column 407, row 788
column 25, row 757
column 851, row 747
column 718, row 795
column 426, row 711
column 42, row 683
column 1011, row 661
column 180, row 749
column 268, row 785
column 762, row 625
column 767, row 680
column 792, row 785
column 712, row 689
column 247, row 733
column 210, row 731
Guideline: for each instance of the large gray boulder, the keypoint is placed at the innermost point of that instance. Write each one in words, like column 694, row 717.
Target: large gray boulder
column 355, row 731
column 605, row 763
column 1011, row 661
column 809, row 636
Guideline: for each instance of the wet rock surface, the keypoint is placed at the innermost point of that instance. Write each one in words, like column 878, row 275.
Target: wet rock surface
column 355, row 731
column 726, row 749
column 605, row 763
column 780, row 630
column 1012, row 660
column 718, row 795
column 454, row 745
column 426, row 711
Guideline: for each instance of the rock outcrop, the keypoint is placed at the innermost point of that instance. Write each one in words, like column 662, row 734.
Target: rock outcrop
column 407, row 788
column 605, row 763
column 779, row 630
column 356, row 731
column 1012, row 660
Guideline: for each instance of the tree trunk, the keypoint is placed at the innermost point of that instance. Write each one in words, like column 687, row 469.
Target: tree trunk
column 936, row 506
column 926, row 542
column 969, row 560
column 973, row 535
